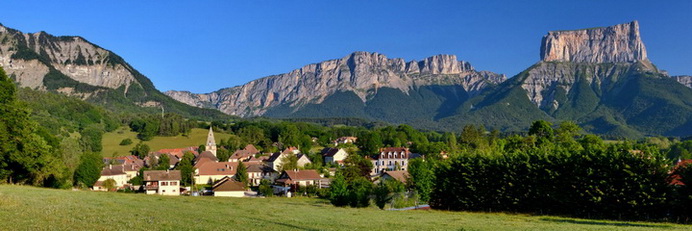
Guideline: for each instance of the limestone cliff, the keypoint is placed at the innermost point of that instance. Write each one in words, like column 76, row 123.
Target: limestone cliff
column 360, row 72
column 614, row 44
column 28, row 57
column 684, row 80
column 599, row 55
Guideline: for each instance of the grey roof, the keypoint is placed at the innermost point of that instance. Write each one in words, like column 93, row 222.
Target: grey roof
column 157, row 175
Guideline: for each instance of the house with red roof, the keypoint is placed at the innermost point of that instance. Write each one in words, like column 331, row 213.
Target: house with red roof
column 209, row 172
column 302, row 178
column 391, row 159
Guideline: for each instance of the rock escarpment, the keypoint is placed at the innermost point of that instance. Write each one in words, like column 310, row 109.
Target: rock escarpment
column 684, row 80
column 614, row 44
column 360, row 72
column 29, row 57
column 596, row 56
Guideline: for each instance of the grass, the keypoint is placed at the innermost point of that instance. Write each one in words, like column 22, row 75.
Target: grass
column 111, row 141
column 30, row 208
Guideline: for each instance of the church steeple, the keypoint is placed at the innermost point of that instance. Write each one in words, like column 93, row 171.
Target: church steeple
column 211, row 142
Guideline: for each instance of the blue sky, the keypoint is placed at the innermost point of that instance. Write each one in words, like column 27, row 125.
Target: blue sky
column 202, row 47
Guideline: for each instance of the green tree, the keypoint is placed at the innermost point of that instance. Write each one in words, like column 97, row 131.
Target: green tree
column 186, row 168
column 89, row 169
column 110, row 185
column 140, row 150
column 542, row 130
column 360, row 190
column 265, row 188
column 421, row 178
column 25, row 156
column 356, row 166
column 369, row 143
column 223, row 154
column 382, row 194
column 164, row 162
column 289, row 162
column 338, row 190
column 241, row 174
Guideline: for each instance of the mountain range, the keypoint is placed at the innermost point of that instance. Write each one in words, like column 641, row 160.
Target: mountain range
column 599, row 77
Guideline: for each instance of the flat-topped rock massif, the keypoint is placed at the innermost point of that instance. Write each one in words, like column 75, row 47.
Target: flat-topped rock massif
column 360, row 72
column 613, row 44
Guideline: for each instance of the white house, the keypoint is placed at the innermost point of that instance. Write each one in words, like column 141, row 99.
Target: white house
column 337, row 155
column 162, row 182
column 391, row 159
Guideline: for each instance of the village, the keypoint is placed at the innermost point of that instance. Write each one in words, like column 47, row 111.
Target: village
column 215, row 177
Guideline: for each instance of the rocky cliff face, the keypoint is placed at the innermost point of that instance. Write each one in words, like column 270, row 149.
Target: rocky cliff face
column 614, row 44
column 361, row 72
column 598, row 55
column 684, row 80
column 28, row 57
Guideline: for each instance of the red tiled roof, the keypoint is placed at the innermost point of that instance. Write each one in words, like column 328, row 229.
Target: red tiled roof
column 251, row 148
column 179, row 152
column 218, row 168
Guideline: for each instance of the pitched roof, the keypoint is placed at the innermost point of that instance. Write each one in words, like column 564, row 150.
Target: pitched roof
column 251, row 148
column 275, row 156
column 218, row 168
column 228, row 184
column 179, row 152
column 328, row 152
column 201, row 162
column 307, row 174
column 401, row 176
column 206, row 154
column 242, row 154
column 111, row 170
column 394, row 149
column 157, row 175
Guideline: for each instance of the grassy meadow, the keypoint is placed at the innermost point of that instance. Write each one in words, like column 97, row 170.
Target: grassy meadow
column 31, row 208
column 112, row 147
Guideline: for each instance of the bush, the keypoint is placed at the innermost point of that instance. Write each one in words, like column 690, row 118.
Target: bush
column 126, row 141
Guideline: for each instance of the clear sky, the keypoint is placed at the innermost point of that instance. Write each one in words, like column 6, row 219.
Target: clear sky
column 202, row 46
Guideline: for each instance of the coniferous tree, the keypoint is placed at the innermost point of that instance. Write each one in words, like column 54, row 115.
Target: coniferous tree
column 241, row 174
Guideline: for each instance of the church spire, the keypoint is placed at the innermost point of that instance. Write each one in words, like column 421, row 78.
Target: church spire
column 211, row 142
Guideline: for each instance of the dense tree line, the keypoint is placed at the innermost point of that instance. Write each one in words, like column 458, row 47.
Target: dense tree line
column 550, row 172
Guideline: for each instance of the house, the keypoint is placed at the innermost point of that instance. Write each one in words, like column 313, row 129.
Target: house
column 244, row 154
column 301, row 178
column 131, row 164
column 210, row 171
column 400, row 176
column 258, row 171
column 162, row 182
column 336, row 155
column 303, row 160
column 180, row 152
column 205, row 155
column 172, row 159
column 391, row 159
column 115, row 172
column 228, row 187
column 345, row 140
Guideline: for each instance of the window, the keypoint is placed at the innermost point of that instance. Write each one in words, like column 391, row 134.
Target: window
column 174, row 184
column 173, row 190
column 164, row 183
column 163, row 191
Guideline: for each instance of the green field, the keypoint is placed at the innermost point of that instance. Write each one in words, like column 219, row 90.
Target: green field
column 30, row 208
column 112, row 147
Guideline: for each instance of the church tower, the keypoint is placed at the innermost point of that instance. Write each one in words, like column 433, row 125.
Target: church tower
column 211, row 142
